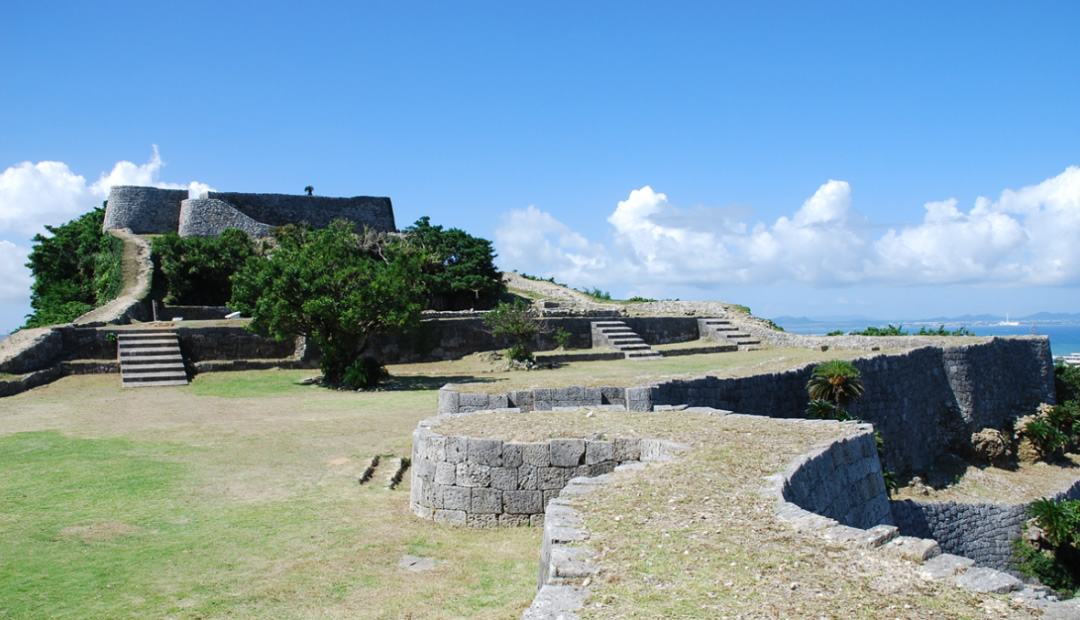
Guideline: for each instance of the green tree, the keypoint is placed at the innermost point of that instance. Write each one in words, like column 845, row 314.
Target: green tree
column 461, row 272
column 309, row 189
column 198, row 270
column 518, row 321
column 837, row 381
column 334, row 287
column 76, row 267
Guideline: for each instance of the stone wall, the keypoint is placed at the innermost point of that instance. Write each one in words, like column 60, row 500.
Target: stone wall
column 149, row 210
column 376, row 213
column 981, row 532
column 483, row 482
column 925, row 403
column 841, row 481
column 144, row 210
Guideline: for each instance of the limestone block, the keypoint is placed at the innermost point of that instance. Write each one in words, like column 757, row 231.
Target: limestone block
column 472, row 402
column 472, row 475
column 523, row 502
column 486, row 501
column 566, row 452
column 456, row 449
column 988, row 580
column 497, row 401
column 537, row 520
column 528, row 477
column 512, row 454
column 944, row 566
column 597, row 451
column 516, row 520
column 485, row 452
column 482, row 520
column 454, row 498
column 504, row 478
column 626, row 449
column 451, row 517
column 436, row 447
column 537, row 454
column 522, row 399
column 449, row 401
column 639, row 399
column 445, row 473
column 553, row 477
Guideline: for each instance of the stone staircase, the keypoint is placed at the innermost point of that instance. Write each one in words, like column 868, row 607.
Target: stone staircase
column 721, row 330
column 617, row 335
column 150, row 358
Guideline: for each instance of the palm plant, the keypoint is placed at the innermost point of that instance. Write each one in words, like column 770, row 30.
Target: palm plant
column 309, row 189
column 835, row 380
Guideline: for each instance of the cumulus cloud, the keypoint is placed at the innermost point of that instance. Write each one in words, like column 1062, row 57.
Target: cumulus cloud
column 48, row 192
column 15, row 279
column 1026, row 237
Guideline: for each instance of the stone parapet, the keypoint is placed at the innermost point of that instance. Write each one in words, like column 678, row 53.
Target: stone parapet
column 483, row 482
column 144, row 210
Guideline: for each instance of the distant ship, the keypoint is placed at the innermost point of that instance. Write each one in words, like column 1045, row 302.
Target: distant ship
column 1007, row 322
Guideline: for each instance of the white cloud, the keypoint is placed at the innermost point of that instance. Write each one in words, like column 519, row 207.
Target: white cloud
column 48, row 192
column 33, row 195
column 1026, row 237
column 15, row 277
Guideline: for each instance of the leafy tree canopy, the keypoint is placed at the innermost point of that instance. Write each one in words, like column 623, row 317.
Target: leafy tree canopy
column 334, row 287
column 197, row 270
column 518, row 321
column 76, row 267
column 462, row 269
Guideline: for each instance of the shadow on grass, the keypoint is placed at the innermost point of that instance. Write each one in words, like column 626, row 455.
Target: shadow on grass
column 433, row 382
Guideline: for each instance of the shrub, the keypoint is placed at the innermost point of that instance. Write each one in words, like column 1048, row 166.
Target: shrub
column 198, row 270
column 941, row 331
column 821, row 409
column 835, row 380
column 1052, row 555
column 1047, row 440
column 838, row 332
column 640, row 300
column 1067, row 382
column 518, row 321
column 891, row 330
column 562, row 338
column 365, row 372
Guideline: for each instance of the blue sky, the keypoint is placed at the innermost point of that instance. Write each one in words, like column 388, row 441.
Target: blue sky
column 895, row 160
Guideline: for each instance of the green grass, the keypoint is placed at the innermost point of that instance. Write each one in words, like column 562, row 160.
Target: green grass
column 233, row 497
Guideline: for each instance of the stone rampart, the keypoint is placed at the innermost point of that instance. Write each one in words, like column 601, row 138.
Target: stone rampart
column 925, row 402
column 149, row 210
column 982, row 532
column 483, row 482
column 208, row 217
column 842, row 481
column 144, row 210
column 376, row 213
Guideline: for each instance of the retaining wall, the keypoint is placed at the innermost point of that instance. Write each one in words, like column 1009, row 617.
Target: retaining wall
column 841, row 481
column 981, row 532
column 924, row 403
column 482, row 482
column 149, row 210
column 144, row 210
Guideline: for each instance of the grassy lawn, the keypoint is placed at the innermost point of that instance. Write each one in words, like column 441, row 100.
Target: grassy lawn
column 233, row 497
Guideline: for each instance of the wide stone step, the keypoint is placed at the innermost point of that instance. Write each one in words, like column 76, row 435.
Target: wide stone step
column 155, row 383
column 604, row 324
column 639, row 346
column 639, row 355
column 172, row 365
column 628, row 340
column 142, row 342
column 153, row 375
column 141, row 352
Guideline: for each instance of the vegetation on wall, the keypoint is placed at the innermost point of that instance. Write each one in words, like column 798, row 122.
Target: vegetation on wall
column 197, row 271
column 76, row 268
column 1050, row 550
column 460, row 273
column 334, row 287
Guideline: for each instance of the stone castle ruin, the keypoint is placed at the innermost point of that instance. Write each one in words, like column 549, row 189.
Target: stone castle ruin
column 150, row 210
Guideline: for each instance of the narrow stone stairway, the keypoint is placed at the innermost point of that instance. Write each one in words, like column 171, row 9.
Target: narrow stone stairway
column 150, row 358
column 618, row 335
column 721, row 330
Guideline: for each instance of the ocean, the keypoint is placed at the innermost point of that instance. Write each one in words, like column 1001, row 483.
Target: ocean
column 1064, row 337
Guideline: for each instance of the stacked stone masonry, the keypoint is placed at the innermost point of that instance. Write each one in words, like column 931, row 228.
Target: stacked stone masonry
column 925, row 403
column 981, row 532
column 483, row 482
column 149, row 210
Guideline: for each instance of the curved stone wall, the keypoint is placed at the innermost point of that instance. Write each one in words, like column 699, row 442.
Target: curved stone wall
column 144, row 210
column 841, row 481
column 981, row 532
column 208, row 217
column 481, row 482
column 279, row 209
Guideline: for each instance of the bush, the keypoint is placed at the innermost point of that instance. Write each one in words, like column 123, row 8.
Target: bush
column 640, row 300
column 562, row 338
column 1047, row 440
column 198, row 270
column 76, row 268
column 1067, row 382
column 821, row 409
column 518, row 321
column 835, row 380
column 365, row 372
column 596, row 293
column 891, row 330
column 1052, row 555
